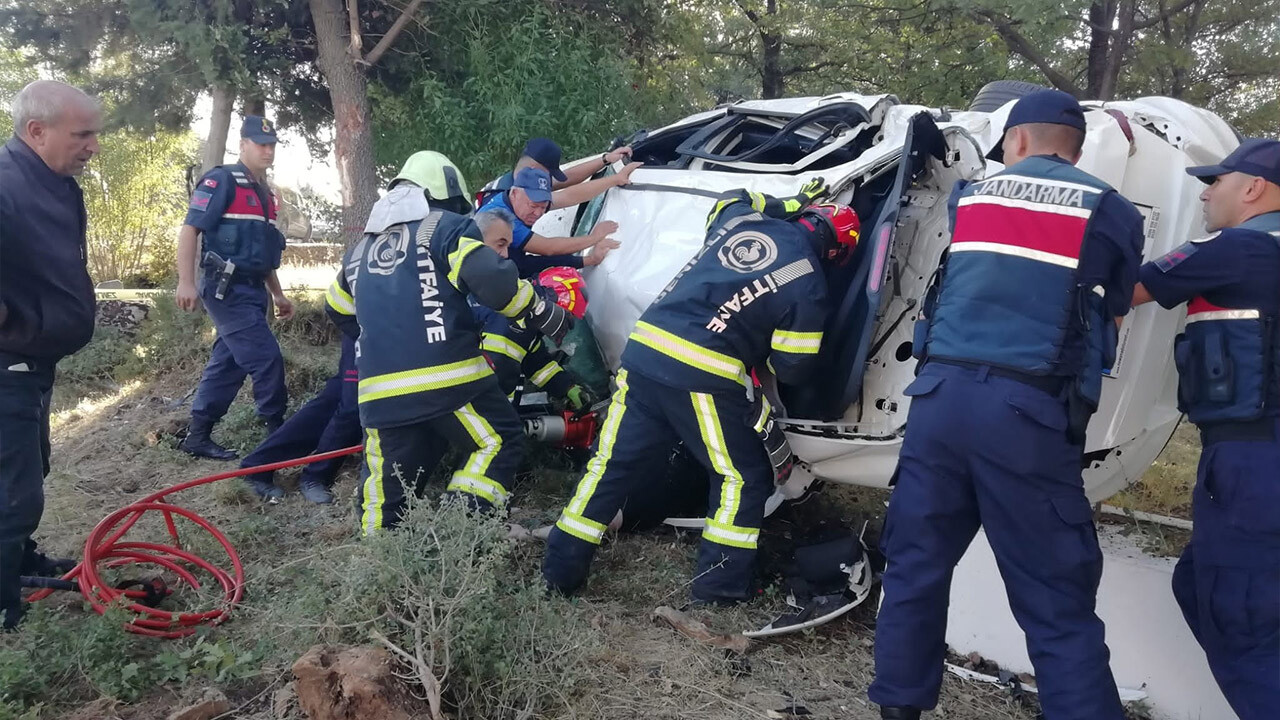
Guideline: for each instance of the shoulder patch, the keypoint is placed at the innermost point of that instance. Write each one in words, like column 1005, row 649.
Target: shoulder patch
column 200, row 200
column 748, row 251
column 210, row 182
column 1175, row 257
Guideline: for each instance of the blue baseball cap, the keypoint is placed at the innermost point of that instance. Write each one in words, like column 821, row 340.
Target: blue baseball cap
column 535, row 183
column 257, row 129
column 1042, row 106
column 1259, row 157
column 546, row 153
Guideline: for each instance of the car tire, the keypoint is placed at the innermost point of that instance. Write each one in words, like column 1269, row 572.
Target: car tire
column 995, row 94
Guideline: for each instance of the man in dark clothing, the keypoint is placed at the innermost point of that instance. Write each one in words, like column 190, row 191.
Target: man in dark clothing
column 329, row 421
column 46, row 305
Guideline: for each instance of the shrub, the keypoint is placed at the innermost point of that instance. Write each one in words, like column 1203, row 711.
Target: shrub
column 470, row 627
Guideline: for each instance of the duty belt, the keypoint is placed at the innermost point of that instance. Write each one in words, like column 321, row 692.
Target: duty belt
column 1262, row 429
column 1052, row 384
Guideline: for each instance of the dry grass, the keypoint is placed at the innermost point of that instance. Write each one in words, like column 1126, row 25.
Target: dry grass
column 294, row 554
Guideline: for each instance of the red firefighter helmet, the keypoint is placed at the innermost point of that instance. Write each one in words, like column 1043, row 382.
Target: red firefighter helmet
column 569, row 288
column 843, row 225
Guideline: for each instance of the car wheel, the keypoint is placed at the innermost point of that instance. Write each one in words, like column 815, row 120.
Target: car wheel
column 995, row 94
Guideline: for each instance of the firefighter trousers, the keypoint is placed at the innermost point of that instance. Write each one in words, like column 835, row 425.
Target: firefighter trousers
column 399, row 459
column 645, row 420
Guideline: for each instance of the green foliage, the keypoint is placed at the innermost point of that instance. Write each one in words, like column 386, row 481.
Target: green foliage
column 15, row 72
column 108, row 357
column 502, row 75
column 135, row 195
column 499, row 646
column 72, row 657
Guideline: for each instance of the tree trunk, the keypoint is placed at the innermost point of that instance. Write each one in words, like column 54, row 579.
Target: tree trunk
column 771, row 76
column 1120, row 45
column 353, row 139
column 215, row 146
column 1102, row 13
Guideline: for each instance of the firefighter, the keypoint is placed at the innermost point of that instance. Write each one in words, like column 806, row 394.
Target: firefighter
column 1228, row 579
column 233, row 211
column 1015, row 337
column 516, row 350
column 403, row 288
column 754, row 293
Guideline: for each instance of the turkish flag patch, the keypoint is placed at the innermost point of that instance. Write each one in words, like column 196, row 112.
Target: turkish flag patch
column 210, row 182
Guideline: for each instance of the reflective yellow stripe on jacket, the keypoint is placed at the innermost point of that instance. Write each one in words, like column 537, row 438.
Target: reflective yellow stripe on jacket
column 408, row 382
column 798, row 343
column 677, row 348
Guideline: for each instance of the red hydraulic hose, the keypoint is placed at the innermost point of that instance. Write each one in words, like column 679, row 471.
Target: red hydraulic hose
column 105, row 547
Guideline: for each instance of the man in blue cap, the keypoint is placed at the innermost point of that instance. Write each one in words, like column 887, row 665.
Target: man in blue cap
column 1228, row 580
column 1013, row 342
column 559, row 189
column 232, row 215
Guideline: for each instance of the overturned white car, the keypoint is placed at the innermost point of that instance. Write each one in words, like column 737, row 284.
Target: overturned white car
column 895, row 164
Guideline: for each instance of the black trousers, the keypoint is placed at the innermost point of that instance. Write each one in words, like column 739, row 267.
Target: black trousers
column 25, row 388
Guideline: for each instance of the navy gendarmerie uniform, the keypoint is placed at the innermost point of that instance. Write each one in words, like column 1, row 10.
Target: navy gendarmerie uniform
column 754, row 294
column 236, row 216
column 1228, row 579
column 405, row 284
column 1015, row 338
column 46, row 313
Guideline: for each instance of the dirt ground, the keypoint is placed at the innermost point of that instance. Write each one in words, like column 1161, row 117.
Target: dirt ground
column 111, row 445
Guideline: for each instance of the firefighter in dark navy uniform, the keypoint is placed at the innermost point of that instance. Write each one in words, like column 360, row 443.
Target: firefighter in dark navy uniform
column 1228, row 579
column 755, row 294
column 1015, row 336
column 403, row 290
column 517, row 351
column 233, row 211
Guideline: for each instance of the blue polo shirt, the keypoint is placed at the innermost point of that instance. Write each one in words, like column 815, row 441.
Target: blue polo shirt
column 46, row 296
column 520, row 233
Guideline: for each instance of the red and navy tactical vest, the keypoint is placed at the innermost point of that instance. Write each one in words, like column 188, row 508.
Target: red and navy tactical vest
column 1010, row 295
column 1228, row 358
column 247, row 234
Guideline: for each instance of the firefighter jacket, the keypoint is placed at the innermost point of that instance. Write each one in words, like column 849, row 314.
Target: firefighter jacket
column 405, row 286
column 754, row 294
column 516, row 351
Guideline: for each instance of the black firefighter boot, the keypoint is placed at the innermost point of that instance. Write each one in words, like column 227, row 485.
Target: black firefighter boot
column 198, row 443
column 899, row 713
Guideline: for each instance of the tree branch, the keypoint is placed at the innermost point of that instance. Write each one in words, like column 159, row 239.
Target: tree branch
column 1163, row 15
column 396, row 27
column 1020, row 45
column 751, row 14
column 353, row 19
column 813, row 67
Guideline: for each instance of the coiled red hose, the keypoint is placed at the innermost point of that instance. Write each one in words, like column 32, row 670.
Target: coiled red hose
column 106, row 548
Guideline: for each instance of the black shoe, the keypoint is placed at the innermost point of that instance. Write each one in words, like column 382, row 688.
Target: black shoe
column 11, row 616
column 264, row 488
column 899, row 713
column 38, row 564
column 273, row 423
column 315, row 491
column 198, row 443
